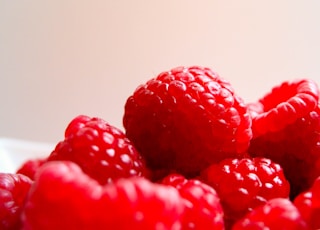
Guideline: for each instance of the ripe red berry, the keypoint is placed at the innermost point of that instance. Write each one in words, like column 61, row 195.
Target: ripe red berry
column 63, row 197
column 202, row 204
column 13, row 192
column 243, row 184
column 277, row 214
column 31, row 166
column 286, row 129
column 187, row 118
column 100, row 149
column 308, row 204
column 283, row 106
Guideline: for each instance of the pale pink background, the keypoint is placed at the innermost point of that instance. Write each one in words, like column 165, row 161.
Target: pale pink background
column 62, row 58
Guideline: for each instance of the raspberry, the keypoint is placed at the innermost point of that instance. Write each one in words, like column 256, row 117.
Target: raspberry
column 277, row 213
column 203, row 209
column 13, row 192
column 283, row 105
column 63, row 197
column 185, row 119
column 101, row 150
column 308, row 203
column 30, row 167
column 286, row 124
column 243, row 184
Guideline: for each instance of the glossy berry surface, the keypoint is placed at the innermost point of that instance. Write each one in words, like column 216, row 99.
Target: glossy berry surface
column 202, row 204
column 63, row 197
column 100, row 149
column 276, row 214
column 243, row 184
column 286, row 124
column 13, row 192
column 308, row 203
column 187, row 118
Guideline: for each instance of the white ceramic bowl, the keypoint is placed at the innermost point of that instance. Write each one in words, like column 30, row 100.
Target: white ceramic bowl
column 13, row 152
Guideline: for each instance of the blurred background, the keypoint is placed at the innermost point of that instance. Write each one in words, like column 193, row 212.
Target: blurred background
column 62, row 58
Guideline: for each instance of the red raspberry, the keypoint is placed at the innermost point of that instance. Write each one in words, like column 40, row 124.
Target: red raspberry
column 13, row 192
column 283, row 105
column 287, row 130
column 277, row 214
column 308, row 203
column 63, row 197
column 187, row 118
column 101, row 150
column 203, row 209
column 29, row 167
column 243, row 184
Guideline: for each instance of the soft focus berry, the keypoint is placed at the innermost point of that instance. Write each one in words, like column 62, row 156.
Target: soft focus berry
column 63, row 197
column 13, row 192
column 276, row 214
column 31, row 166
column 202, row 204
column 308, row 204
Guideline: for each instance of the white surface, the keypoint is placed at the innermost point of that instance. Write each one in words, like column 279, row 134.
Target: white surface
column 14, row 152
column 62, row 58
